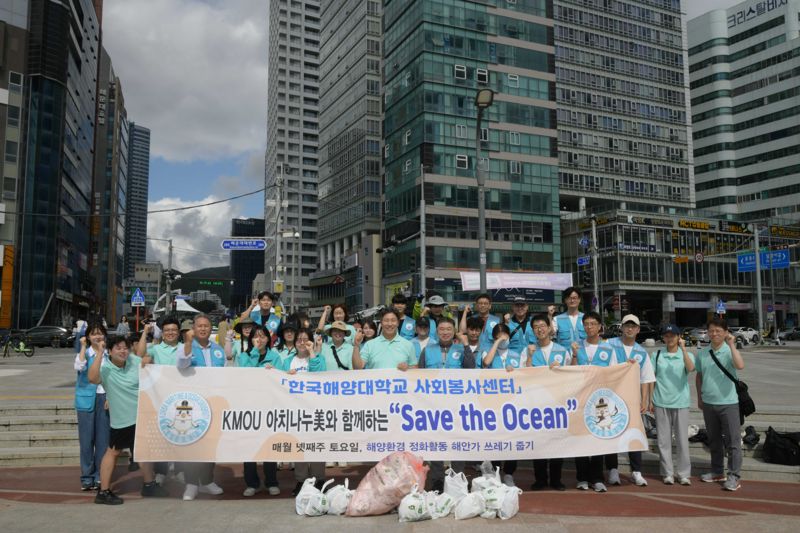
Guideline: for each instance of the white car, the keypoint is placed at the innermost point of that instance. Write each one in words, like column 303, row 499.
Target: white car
column 749, row 335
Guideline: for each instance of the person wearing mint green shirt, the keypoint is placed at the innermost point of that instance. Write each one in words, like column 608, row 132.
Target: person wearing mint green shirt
column 234, row 347
column 119, row 375
column 717, row 397
column 338, row 354
column 165, row 352
column 389, row 350
column 671, row 400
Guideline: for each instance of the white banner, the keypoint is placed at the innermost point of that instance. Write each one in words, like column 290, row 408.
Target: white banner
column 471, row 281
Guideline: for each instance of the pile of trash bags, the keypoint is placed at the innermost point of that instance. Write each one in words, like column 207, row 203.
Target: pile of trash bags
column 395, row 482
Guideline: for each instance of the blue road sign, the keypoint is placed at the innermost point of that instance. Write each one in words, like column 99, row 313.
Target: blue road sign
column 747, row 262
column 720, row 307
column 137, row 298
column 584, row 242
column 244, row 244
column 584, row 260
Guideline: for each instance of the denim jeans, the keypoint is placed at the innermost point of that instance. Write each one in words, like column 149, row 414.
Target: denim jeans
column 93, row 430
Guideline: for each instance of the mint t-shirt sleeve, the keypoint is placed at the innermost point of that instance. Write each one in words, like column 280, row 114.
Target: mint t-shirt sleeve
column 317, row 364
column 366, row 354
column 411, row 355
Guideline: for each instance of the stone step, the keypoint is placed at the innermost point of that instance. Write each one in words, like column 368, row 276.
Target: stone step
column 698, row 449
column 39, row 422
column 38, row 439
column 52, row 456
column 36, row 409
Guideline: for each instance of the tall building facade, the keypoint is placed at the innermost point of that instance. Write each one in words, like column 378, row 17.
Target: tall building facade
column 350, row 159
column 245, row 264
column 745, row 87
column 622, row 105
column 110, row 193
column 137, row 194
column 53, row 279
column 292, row 166
column 437, row 55
column 13, row 59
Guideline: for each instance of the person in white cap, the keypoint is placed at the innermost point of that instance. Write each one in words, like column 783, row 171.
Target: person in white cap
column 627, row 350
column 434, row 310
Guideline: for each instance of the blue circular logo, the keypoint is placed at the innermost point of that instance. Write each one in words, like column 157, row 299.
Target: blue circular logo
column 605, row 414
column 183, row 418
column 603, row 356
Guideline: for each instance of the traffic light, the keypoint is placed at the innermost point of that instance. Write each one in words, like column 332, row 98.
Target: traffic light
column 586, row 278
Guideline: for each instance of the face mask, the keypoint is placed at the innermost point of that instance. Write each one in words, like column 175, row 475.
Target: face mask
column 503, row 345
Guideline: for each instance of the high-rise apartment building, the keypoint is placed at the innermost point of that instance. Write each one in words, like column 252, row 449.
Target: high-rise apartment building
column 350, row 159
column 110, row 192
column 138, row 190
column 745, row 88
column 53, row 279
column 245, row 264
column 292, row 166
column 622, row 105
column 437, row 56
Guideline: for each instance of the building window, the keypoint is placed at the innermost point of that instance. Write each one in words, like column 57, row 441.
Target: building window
column 462, row 161
column 11, row 152
column 513, row 80
column 513, row 138
column 514, row 167
column 407, row 166
column 484, row 134
column 15, row 82
column 460, row 72
column 407, row 137
column 481, row 75
column 461, row 131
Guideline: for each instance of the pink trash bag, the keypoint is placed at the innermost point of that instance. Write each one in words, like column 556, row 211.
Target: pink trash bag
column 386, row 484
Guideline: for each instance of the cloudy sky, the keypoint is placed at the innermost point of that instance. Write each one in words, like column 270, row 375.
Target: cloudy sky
column 195, row 73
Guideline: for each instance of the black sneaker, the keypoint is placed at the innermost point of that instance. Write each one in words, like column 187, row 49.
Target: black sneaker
column 558, row 486
column 133, row 466
column 297, row 488
column 95, row 485
column 154, row 490
column 539, row 486
column 106, row 497
column 87, row 486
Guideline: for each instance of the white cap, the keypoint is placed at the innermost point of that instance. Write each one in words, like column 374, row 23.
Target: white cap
column 631, row 318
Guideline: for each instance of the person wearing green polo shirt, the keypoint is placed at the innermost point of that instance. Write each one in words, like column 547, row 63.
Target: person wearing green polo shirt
column 338, row 354
column 717, row 397
column 165, row 352
column 233, row 347
column 671, row 400
column 389, row 350
column 119, row 375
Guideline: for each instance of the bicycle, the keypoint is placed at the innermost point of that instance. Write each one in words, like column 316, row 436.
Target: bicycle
column 17, row 343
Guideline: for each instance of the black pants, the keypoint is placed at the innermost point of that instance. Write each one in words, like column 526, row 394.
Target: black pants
column 590, row 469
column 509, row 467
column 270, row 475
column 635, row 458
column 548, row 471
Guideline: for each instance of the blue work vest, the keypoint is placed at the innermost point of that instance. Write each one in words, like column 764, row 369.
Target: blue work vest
column 273, row 322
column 602, row 357
column 407, row 328
column 566, row 334
column 85, row 391
column 558, row 354
column 523, row 337
column 637, row 353
column 217, row 354
column 435, row 357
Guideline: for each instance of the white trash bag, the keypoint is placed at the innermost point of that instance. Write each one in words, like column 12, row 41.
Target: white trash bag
column 439, row 505
column 456, row 485
column 509, row 507
column 413, row 506
column 470, row 506
column 490, row 514
column 491, row 479
column 311, row 501
column 493, row 494
column 339, row 498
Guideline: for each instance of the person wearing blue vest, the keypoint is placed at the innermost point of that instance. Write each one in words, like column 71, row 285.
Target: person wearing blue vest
column 433, row 311
column 627, row 350
column 483, row 307
column 423, row 336
column 499, row 354
column 198, row 350
column 91, row 408
column 519, row 323
column 592, row 350
column 400, row 304
column 568, row 326
column 260, row 311
column 450, row 355
column 547, row 354
column 471, row 340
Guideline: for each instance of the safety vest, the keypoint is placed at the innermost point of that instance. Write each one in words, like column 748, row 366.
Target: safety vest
column 437, row 357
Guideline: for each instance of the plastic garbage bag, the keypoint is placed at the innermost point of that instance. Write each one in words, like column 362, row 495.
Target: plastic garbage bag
column 493, row 494
column 386, row 484
column 413, row 507
column 339, row 497
column 439, row 505
column 470, row 506
column 456, row 485
column 509, row 506
column 311, row 501
column 486, row 480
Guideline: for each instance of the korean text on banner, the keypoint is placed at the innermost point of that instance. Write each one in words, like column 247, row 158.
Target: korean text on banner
column 244, row 414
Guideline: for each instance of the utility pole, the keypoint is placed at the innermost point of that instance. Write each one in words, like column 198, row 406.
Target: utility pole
column 168, row 304
column 758, row 283
column 772, row 285
column 594, row 266
column 278, row 227
column 483, row 99
column 296, row 235
column 422, row 251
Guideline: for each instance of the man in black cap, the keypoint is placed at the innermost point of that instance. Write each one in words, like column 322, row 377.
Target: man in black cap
column 521, row 331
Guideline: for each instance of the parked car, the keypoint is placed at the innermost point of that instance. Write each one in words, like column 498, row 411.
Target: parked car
column 747, row 335
column 55, row 336
column 790, row 334
column 699, row 335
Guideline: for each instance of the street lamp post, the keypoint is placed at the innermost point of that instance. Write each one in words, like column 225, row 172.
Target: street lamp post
column 483, row 99
column 168, row 302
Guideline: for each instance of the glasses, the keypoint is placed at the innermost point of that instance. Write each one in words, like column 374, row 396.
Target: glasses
column 170, row 330
column 541, row 326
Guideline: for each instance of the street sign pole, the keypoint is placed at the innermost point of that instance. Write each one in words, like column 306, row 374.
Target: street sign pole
column 758, row 282
column 772, row 285
column 596, row 298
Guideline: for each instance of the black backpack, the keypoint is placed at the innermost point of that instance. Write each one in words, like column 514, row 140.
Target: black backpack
column 782, row 448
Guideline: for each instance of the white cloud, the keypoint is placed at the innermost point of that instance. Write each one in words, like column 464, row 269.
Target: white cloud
column 195, row 73
column 195, row 233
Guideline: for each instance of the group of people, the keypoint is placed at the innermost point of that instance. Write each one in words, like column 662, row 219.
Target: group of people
column 424, row 335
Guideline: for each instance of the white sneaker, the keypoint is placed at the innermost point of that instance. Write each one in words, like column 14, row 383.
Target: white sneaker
column 582, row 485
column 160, row 479
column 669, row 480
column 342, row 464
column 508, row 480
column 685, row 481
column 613, row 477
column 599, row 487
column 274, row 491
column 638, row 479
column 250, row 491
column 211, row 488
column 190, row 493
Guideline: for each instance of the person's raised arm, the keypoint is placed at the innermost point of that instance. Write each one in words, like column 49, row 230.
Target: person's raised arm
column 489, row 357
column 323, row 319
column 462, row 325
column 141, row 345
column 687, row 359
column 80, row 360
column 229, row 344
column 736, row 356
column 358, row 363
column 246, row 313
column 94, row 370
